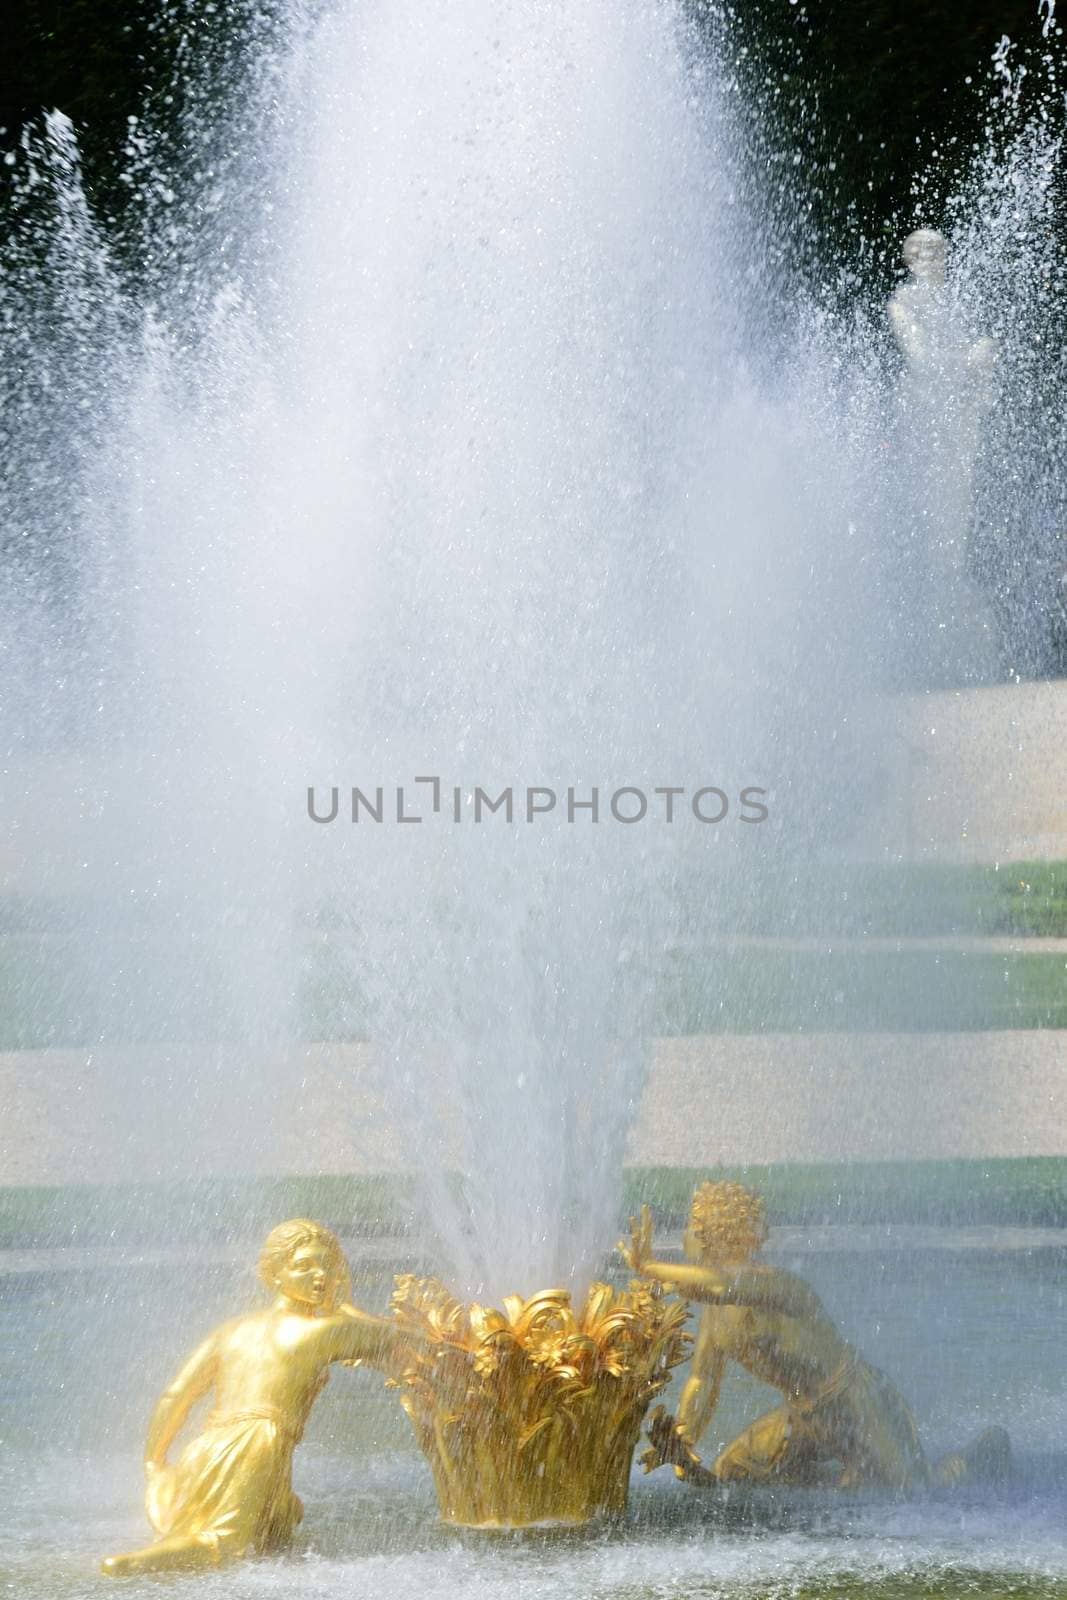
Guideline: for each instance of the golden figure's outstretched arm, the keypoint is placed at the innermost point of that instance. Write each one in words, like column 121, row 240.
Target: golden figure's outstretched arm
column 355, row 1335
column 762, row 1288
column 178, row 1399
column 700, row 1395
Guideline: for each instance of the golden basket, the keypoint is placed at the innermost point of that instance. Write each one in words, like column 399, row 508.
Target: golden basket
column 531, row 1414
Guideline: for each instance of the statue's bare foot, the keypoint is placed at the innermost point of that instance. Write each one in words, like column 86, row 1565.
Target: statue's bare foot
column 176, row 1554
column 120, row 1566
column 986, row 1459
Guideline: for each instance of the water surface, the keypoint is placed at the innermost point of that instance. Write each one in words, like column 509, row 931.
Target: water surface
column 971, row 1337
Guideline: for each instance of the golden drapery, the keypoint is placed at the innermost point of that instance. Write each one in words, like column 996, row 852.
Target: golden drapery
column 231, row 1487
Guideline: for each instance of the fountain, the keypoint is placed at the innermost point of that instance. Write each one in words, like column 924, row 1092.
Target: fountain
column 949, row 389
column 462, row 586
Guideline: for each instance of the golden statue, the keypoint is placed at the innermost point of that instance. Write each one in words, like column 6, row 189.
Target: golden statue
column 230, row 1491
column 841, row 1420
column 531, row 1414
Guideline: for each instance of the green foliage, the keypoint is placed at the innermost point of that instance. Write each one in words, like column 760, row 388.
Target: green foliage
column 215, row 1212
column 772, row 989
column 816, row 953
column 951, row 1584
column 1022, row 1192
column 201, row 1214
column 900, row 901
column 1027, row 897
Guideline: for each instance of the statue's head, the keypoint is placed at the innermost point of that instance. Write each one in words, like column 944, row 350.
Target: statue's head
column 727, row 1223
column 924, row 254
column 304, row 1261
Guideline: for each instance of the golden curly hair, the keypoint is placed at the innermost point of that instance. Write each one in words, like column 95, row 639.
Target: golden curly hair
column 727, row 1220
column 288, row 1237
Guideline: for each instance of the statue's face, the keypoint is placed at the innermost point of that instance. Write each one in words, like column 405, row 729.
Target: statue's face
column 924, row 254
column 307, row 1275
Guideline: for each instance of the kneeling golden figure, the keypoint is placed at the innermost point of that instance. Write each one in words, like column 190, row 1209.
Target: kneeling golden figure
column 531, row 1414
column 230, row 1491
column 841, row 1420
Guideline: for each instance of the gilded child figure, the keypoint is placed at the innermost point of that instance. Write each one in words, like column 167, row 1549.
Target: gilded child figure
column 840, row 1420
column 230, row 1493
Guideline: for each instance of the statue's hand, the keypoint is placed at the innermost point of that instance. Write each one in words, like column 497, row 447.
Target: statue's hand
column 659, row 1430
column 668, row 1445
column 639, row 1249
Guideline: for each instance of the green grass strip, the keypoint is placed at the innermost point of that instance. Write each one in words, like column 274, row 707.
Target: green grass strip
column 1027, row 1191
column 957, row 1584
column 47, row 1001
column 1024, row 1192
